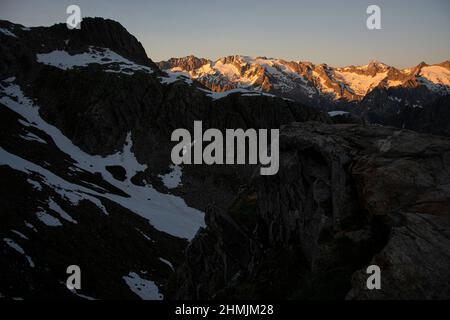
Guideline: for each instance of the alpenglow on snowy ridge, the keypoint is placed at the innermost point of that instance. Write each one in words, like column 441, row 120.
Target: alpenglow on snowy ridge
column 89, row 182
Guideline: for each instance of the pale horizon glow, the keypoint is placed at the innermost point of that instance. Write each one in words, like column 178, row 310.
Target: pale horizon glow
column 320, row 31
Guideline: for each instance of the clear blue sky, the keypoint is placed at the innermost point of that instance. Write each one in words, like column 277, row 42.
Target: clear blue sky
column 328, row 31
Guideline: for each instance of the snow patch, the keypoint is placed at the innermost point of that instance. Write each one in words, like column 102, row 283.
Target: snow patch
column 74, row 291
column 47, row 219
column 20, row 234
column 30, row 226
column 145, row 289
column 167, row 262
column 436, row 74
column 337, row 113
column 395, row 99
column 63, row 60
column 173, row 179
column 173, row 76
column 55, row 207
column 436, row 78
column 36, row 185
column 144, row 235
column 261, row 94
column 394, row 83
column 19, row 249
column 11, row 79
column 7, row 32
column 32, row 137
column 167, row 213
column 360, row 83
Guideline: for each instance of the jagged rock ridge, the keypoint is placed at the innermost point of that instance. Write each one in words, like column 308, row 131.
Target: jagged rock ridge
column 413, row 98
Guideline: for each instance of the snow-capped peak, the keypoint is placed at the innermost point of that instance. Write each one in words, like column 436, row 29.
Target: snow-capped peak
column 293, row 79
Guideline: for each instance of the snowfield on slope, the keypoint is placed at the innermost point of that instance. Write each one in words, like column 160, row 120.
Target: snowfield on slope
column 63, row 60
column 175, row 76
column 436, row 74
column 145, row 289
column 437, row 78
column 360, row 84
column 165, row 212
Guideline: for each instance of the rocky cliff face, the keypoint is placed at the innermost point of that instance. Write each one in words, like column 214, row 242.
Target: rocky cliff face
column 86, row 121
column 189, row 63
column 22, row 43
column 347, row 196
column 414, row 108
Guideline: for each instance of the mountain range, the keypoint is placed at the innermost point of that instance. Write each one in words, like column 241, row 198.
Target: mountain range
column 86, row 119
column 411, row 98
column 297, row 79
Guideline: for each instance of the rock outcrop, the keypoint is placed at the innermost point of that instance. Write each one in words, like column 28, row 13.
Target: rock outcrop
column 85, row 141
column 85, row 149
column 347, row 196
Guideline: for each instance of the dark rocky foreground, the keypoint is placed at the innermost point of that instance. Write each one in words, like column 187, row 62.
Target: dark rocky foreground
column 346, row 195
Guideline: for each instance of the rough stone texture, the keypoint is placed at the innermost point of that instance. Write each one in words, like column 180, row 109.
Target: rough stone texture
column 346, row 196
column 97, row 110
column 415, row 262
